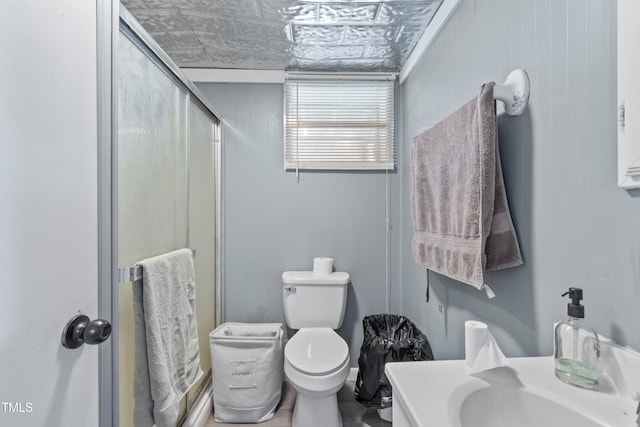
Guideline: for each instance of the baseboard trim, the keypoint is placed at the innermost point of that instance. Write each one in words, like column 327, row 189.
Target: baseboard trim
column 201, row 410
column 353, row 374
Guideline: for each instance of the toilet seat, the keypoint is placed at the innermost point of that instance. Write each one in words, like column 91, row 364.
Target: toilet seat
column 316, row 351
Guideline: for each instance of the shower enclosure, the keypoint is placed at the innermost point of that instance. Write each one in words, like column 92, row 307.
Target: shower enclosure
column 166, row 179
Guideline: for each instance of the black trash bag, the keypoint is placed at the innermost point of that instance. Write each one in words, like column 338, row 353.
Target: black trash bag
column 387, row 338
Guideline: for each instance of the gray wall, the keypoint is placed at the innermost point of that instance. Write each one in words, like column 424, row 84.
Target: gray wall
column 559, row 159
column 273, row 223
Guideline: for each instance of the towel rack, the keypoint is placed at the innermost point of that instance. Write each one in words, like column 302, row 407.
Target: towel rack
column 131, row 274
column 514, row 92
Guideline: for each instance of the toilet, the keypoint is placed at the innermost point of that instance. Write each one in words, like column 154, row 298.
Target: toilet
column 316, row 358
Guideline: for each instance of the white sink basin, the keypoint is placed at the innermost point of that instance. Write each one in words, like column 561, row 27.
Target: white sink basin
column 508, row 407
column 526, row 393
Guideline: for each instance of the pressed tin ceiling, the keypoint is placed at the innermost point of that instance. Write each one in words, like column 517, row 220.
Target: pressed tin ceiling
column 343, row 36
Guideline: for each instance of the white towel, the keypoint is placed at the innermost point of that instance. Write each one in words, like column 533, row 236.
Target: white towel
column 167, row 356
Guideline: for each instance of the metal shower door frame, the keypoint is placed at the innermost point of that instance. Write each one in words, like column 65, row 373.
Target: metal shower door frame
column 111, row 19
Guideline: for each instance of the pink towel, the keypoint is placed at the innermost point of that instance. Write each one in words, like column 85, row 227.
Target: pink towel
column 461, row 220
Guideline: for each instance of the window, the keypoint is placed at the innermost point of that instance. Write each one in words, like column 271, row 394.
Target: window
column 339, row 124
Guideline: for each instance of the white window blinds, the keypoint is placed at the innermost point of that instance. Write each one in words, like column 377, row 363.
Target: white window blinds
column 339, row 124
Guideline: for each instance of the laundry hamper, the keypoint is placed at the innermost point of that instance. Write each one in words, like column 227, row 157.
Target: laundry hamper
column 247, row 366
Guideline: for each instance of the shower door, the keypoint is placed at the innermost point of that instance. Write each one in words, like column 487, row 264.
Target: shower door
column 152, row 185
column 166, row 181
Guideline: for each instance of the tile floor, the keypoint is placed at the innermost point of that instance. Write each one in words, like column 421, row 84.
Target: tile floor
column 353, row 413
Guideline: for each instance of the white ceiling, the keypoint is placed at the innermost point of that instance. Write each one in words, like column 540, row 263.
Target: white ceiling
column 343, row 36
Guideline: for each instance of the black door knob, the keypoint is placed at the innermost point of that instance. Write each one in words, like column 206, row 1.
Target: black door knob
column 80, row 330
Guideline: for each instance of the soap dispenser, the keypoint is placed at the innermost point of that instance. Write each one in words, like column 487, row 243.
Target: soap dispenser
column 577, row 348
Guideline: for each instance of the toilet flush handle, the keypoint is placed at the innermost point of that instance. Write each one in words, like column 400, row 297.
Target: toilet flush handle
column 291, row 289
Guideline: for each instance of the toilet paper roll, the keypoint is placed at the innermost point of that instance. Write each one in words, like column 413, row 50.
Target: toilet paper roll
column 475, row 334
column 322, row 265
column 481, row 351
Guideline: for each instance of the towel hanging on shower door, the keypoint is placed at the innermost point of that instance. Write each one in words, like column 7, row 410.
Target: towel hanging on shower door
column 167, row 352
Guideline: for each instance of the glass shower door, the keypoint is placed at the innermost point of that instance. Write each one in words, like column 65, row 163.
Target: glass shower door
column 166, row 196
column 202, row 229
column 152, row 185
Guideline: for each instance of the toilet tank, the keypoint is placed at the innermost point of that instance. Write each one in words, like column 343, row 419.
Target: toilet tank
column 312, row 300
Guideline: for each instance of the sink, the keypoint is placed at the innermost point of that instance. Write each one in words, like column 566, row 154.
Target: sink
column 508, row 407
column 526, row 393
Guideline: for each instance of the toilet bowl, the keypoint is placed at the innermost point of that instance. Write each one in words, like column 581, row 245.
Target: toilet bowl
column 316, row 362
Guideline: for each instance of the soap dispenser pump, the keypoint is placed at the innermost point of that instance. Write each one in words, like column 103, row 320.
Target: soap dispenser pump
column 577, row 348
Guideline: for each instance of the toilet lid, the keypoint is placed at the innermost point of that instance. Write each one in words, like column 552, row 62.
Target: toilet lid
column 316, row 351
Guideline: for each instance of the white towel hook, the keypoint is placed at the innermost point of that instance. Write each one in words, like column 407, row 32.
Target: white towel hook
column 514, row 92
